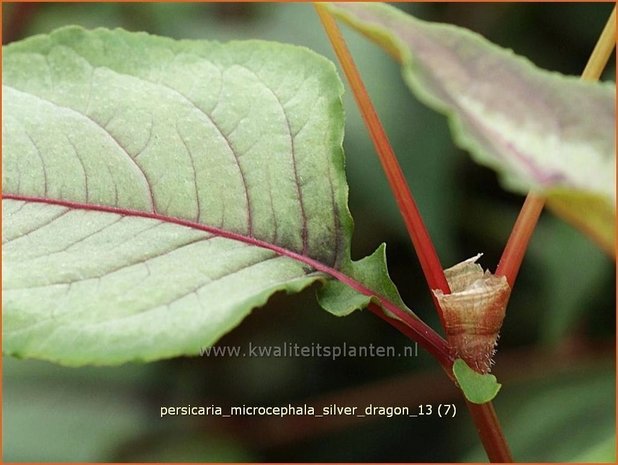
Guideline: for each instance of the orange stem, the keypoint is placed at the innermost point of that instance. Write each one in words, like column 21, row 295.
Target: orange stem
column 525, row 224
column 516, row 246
column 427, row 256
column 484, row 415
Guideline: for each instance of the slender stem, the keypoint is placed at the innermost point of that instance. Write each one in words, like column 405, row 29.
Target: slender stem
column 602, row 50
column 525, row 224
column 488, row 428
column 516, row 246
column 428, row 258
column 431, row 341
column 484, row 415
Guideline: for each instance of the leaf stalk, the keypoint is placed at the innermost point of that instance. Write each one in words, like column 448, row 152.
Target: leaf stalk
column 484, row 415
column 425, row 250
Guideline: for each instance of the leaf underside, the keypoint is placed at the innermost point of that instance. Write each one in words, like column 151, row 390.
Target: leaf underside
column 155, row 191
column 539, row 130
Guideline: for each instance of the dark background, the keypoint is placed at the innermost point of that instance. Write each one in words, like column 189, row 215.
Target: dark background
column 556, row 357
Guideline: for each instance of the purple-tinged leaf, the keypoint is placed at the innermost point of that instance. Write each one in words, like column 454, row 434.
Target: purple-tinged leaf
column 156, row 191
column 539, row 130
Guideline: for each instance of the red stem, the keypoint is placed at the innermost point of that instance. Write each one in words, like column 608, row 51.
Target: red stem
column 483, row 415
column 427, row 256
column 490, row 432
column 431, row 341
column 516, row 246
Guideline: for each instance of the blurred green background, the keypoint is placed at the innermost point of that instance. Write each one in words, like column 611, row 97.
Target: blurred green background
column 557, row 350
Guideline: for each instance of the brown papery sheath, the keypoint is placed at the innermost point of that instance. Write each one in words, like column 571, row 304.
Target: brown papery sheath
column 473, row 312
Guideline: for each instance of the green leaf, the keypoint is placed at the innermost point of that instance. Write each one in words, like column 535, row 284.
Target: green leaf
column 539, row 130
column 477, row 388
column 341, row 300
column 156, row 191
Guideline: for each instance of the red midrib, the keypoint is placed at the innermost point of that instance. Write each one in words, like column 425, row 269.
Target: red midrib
column 428, row 338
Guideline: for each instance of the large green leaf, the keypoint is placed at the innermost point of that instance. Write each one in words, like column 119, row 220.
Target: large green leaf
column 155, row 191
column 540, row 130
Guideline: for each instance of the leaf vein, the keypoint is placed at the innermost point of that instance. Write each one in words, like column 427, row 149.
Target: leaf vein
column 107, row 133
column 230, row 145
column 37, row 227
column 297, row 180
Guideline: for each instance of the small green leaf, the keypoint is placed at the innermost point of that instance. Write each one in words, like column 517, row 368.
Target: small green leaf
column 156, row 191
column 341, row 300
column 539, row 130
column 477, row 388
